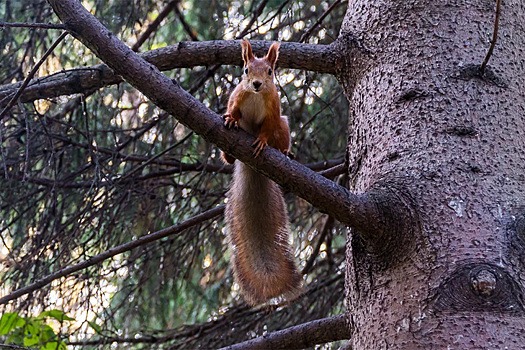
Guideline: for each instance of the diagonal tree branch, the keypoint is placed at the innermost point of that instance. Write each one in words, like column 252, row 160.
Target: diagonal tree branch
column 371, row 215
column 182, row 55
column 167, row 94
column 301, row 336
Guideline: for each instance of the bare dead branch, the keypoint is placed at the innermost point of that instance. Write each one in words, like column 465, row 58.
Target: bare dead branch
column 94, row 260
column 182, row 55
column 301, row 336
column 325, row 164
column 13, row 347
column 152, row 159
column 329, row 169
column 494, row 38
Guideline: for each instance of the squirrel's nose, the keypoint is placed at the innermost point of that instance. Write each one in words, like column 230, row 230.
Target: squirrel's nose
column 257, row 84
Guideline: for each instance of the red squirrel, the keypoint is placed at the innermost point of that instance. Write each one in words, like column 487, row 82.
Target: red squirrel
column 256, row 215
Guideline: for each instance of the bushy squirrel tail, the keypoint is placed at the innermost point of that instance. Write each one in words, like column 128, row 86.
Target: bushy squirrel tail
column 262, row 258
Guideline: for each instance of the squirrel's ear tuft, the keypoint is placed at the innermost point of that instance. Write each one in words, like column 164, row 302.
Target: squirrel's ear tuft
column 273, row 53
column 247, row 53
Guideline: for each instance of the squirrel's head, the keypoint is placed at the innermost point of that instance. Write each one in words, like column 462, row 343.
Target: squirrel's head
column 258, row 72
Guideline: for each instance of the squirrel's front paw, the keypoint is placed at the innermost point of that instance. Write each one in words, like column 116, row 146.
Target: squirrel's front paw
column 259, row 145
column 230, row 121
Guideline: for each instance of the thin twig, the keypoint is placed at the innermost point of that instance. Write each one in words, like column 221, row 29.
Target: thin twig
column 96, row 259
column 308, row 33
column 255, row 16
column 328, row 225
column 494, row 38
column 157, row 156
column 32, row 25
column 334, row 171
column 33, row 71
column 266, row 21
column 191, row 33
column 155, row 24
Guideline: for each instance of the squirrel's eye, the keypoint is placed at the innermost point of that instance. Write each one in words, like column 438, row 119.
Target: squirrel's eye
column 245, row 70
column 269, row 71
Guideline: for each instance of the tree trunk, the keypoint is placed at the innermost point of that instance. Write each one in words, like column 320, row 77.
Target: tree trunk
column 426, row 123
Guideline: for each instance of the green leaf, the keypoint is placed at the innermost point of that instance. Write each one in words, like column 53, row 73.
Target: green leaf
column 46, row 334
column 58, row 315
column 31, row 340
column 54, row 345
column 9, row 321
column 95, row 326
column 32, row 333
column 16, row 337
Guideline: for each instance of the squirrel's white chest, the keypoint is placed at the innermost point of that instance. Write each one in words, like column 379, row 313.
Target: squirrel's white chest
column 253, row 110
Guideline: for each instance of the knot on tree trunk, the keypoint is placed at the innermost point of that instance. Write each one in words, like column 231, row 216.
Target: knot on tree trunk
column 479, row 287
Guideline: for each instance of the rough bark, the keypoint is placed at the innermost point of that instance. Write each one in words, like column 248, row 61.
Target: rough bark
column 425, row 123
